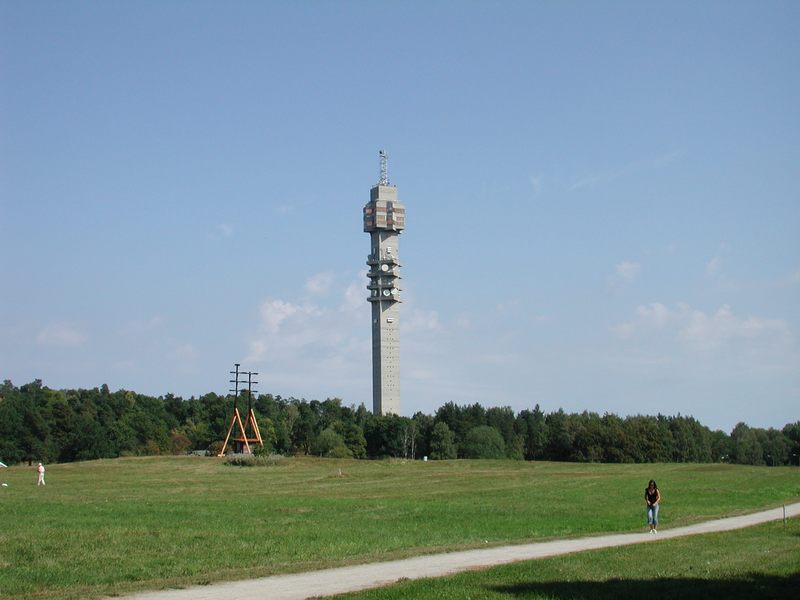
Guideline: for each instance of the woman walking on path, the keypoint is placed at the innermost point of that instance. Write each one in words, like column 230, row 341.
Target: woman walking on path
column 652, row 497
column 40, row 469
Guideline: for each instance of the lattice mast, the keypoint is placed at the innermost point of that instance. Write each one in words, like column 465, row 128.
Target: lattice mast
column 384, row 176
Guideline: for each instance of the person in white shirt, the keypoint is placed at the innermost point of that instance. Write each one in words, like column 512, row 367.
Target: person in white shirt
column 40, row 468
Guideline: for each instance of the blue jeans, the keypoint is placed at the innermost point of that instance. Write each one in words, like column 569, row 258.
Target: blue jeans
column 652, row 515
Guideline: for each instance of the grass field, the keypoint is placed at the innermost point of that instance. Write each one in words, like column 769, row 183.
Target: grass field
column 114, row 526
column 758, row 563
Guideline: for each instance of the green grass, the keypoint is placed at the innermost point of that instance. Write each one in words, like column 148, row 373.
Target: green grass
column 114, row 526
column 757, row 563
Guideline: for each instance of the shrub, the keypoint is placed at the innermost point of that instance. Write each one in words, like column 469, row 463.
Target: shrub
column 340, row 452
column 484, row 442
column 249, row 460
column 443, row 445
column 326, row 441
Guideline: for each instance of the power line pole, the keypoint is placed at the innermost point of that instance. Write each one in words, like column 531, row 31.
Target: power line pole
column 242, row 442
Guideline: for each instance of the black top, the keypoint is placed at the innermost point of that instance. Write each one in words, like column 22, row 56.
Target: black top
column 651, row 498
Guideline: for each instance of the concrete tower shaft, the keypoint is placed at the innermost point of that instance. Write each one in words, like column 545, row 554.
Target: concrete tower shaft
column 384, row 219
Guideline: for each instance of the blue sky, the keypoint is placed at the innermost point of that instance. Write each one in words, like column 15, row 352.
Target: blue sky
column 602, row 200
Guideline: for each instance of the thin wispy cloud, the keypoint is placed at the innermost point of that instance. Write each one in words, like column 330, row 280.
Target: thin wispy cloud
column 221, row 231
column 323, row 339
column 320, row 284
column 296, row 331
column 628, row 271
column 61, row 335
column 421, row 320
column 138, row 327
column 276, row 314
column 722, row 327
column 713, row 266
column 536, row 184
column 703, row 331
column 355, row 294
column 625, row 273
column 183, row 353
column 791, row 279
column 610, row 175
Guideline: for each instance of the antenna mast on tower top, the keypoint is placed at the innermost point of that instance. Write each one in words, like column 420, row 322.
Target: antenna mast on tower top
column 384, row 180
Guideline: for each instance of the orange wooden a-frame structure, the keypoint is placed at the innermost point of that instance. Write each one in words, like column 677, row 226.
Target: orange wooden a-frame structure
column 243, row 441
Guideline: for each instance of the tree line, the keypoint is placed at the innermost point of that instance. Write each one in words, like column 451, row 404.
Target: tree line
column 39, row 423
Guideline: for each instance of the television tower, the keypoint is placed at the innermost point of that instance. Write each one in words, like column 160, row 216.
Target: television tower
column 384, row 219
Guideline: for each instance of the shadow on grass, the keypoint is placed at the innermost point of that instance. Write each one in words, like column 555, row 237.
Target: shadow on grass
column 744, row 587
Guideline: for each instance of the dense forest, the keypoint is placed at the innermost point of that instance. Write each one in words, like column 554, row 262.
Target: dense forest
column 38, row 423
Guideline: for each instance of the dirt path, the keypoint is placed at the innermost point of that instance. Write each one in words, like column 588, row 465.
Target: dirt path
column 348, row 579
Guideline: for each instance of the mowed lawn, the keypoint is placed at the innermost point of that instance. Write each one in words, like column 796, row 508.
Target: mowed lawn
column 757, row 563
column 114, row 526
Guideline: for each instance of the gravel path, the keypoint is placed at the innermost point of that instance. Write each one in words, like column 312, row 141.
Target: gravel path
column 348, row 579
